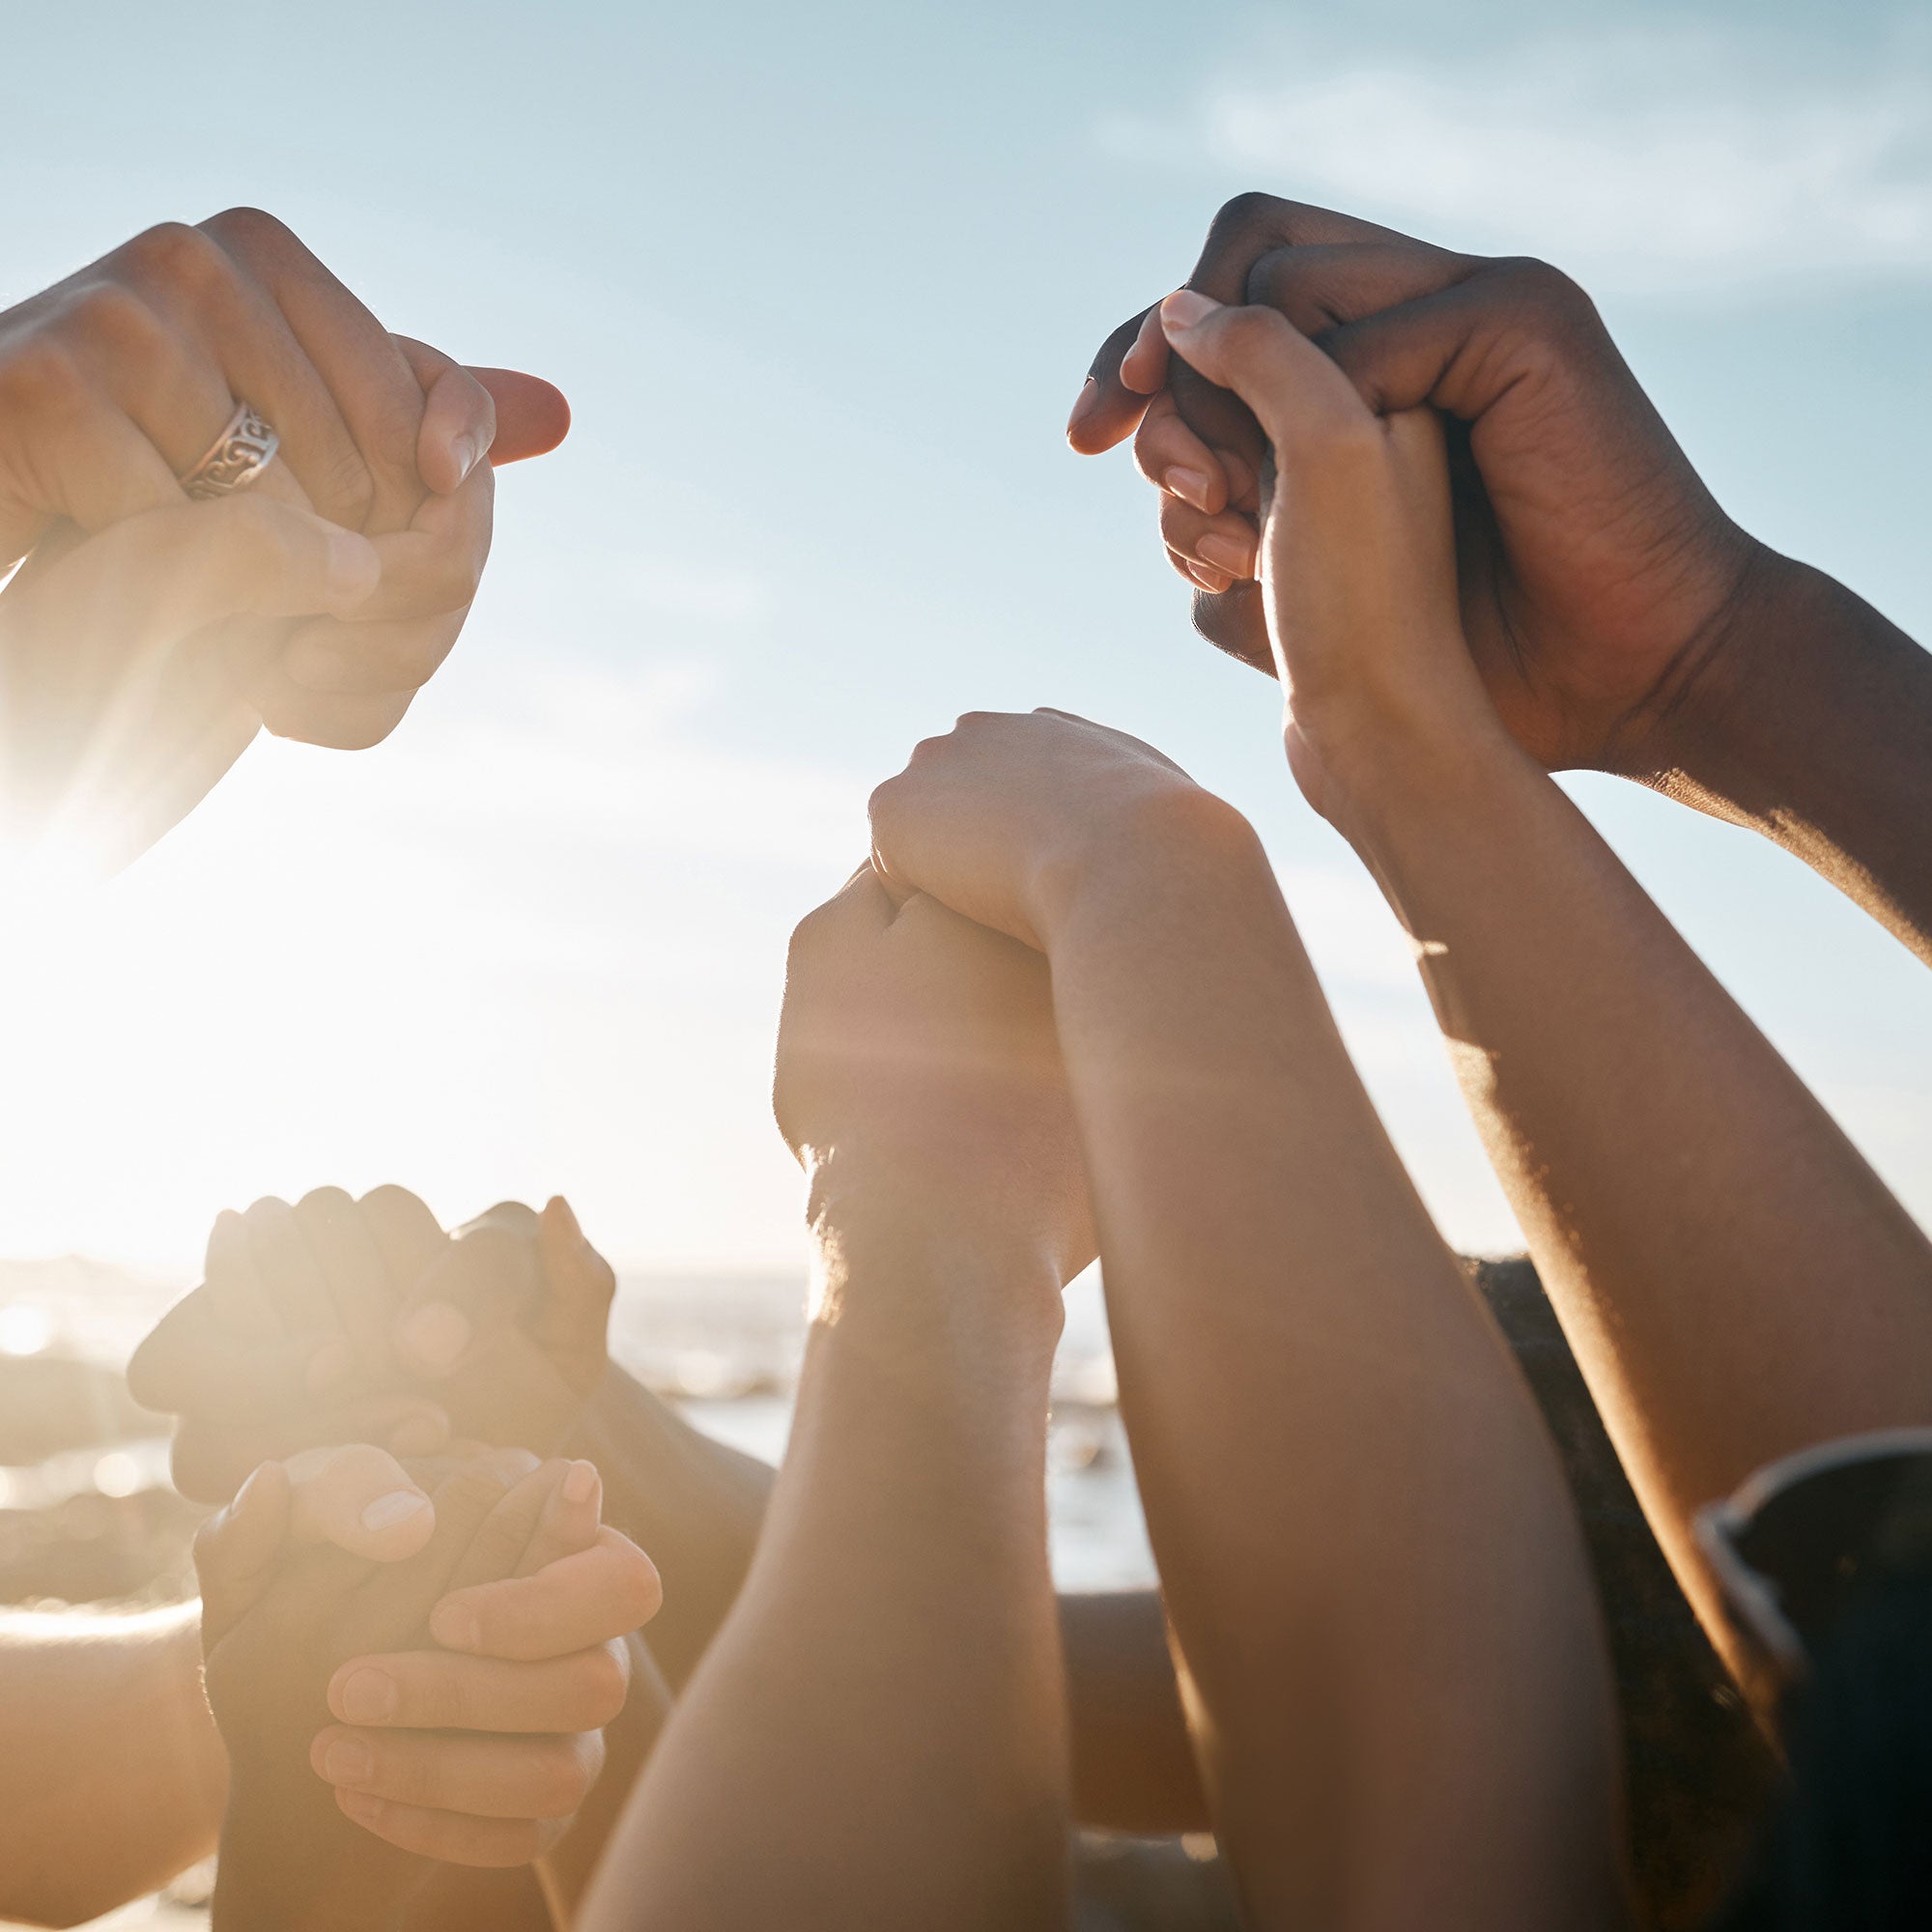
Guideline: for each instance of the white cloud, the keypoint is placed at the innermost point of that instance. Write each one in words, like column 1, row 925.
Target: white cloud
column 1678, row 161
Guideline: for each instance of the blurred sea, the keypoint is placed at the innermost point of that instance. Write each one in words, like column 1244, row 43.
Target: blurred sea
column 725, row 1349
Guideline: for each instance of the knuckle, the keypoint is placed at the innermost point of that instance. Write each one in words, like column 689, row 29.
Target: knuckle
column 251, row 231
column 174, row 255
column 41, row 374
column 1542, row 285
column 603, row 1687
column 340, row 482
column 1252, row 208
column 560, row 1779
column 113, row 317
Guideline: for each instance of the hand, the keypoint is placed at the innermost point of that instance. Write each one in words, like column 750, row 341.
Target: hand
column 1357, row 565
column 122, row 709
column 1000, row 818
column 114, row 382
column 284, row 1632
column 918, row 1081
column 337, row 1318
column 1600, row 583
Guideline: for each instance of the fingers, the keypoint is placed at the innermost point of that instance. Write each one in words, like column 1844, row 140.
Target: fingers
column 236, row 1550
column 437, row 1690
column 356, row 1275
column 353, row 353
column 451, row 1836
column 490, row 1269
column 459, row 422
column 1295, row 393
column 404, row 631
column 498, row 1548
column 209, row 1459
column 572, row 1514
column 1173, row 458
column 572, row 1321
column 571, row 1604
column 361, row 1500
column 192, row 1364
column 532, row 416
column 1106, row 410
column 408, row 1235
column 157, row 578
column 1219, row 547
column 535, row 1776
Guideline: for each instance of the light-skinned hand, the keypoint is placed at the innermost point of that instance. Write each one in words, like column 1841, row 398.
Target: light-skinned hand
column 1602, row 587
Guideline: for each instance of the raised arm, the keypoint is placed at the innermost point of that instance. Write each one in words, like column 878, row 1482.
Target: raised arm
column 1365, row 1545
column 877, row 1737
column 1734, row 1280
column 1620, row 619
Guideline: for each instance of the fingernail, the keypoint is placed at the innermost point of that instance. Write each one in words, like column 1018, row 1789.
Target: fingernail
column 368, row 1697
column 1191, row 486
column 355, row 568
column 435, row 1337
column 466, row 449
column 1085, row 402
column 456, row 1628
column 398, row 1506
column 346, row 1762
column 330, row 1364
column 1184, row 308
column 1214, row 581
column 580, row 1483
column 1229, row 553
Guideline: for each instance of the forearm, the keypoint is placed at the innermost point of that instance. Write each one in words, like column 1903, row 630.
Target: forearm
column 1815, row 728
column 1367, row 1552
column 113, row 1774
column 568, row 1868
column 876, row 1739
column 1735, row 1281
column 696, row 1505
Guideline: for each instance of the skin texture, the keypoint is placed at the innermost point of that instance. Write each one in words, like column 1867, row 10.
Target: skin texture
column 339, row 1826
column 1686, row 1199
column 1367, row 1554
column 109, row 1722
column 1617, row 617
column 890, row 1674
column 116, row 382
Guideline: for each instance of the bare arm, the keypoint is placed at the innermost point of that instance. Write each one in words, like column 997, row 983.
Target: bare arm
column 113, row 1775
column 1618, row 618
column 1735, row 1282
column 877, row 1736
column 1366, row 1550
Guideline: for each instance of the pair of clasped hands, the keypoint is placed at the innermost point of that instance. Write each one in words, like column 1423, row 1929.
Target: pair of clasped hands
column 414, row 1629
column 145, row 637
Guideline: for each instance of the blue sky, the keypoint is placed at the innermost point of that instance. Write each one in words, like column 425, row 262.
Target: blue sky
column 821, row 284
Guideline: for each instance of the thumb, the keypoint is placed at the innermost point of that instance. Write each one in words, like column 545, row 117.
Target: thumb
column 360, row 1498
column 1293, row 389
column 235, row 1549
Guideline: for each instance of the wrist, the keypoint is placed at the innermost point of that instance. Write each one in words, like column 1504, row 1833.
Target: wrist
column 1146, row 845
column 900, row 1264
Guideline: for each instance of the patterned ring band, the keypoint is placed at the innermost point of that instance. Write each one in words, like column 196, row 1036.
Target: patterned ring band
column 238, row 456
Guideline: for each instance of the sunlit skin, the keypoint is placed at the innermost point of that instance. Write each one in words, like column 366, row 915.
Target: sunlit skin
column 1619, row 619
column 107, row 1719
column 1687, row 1200
column 144, row 640
column 890, row 1675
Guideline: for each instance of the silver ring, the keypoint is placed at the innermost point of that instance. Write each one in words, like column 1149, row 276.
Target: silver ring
column 238, row 456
